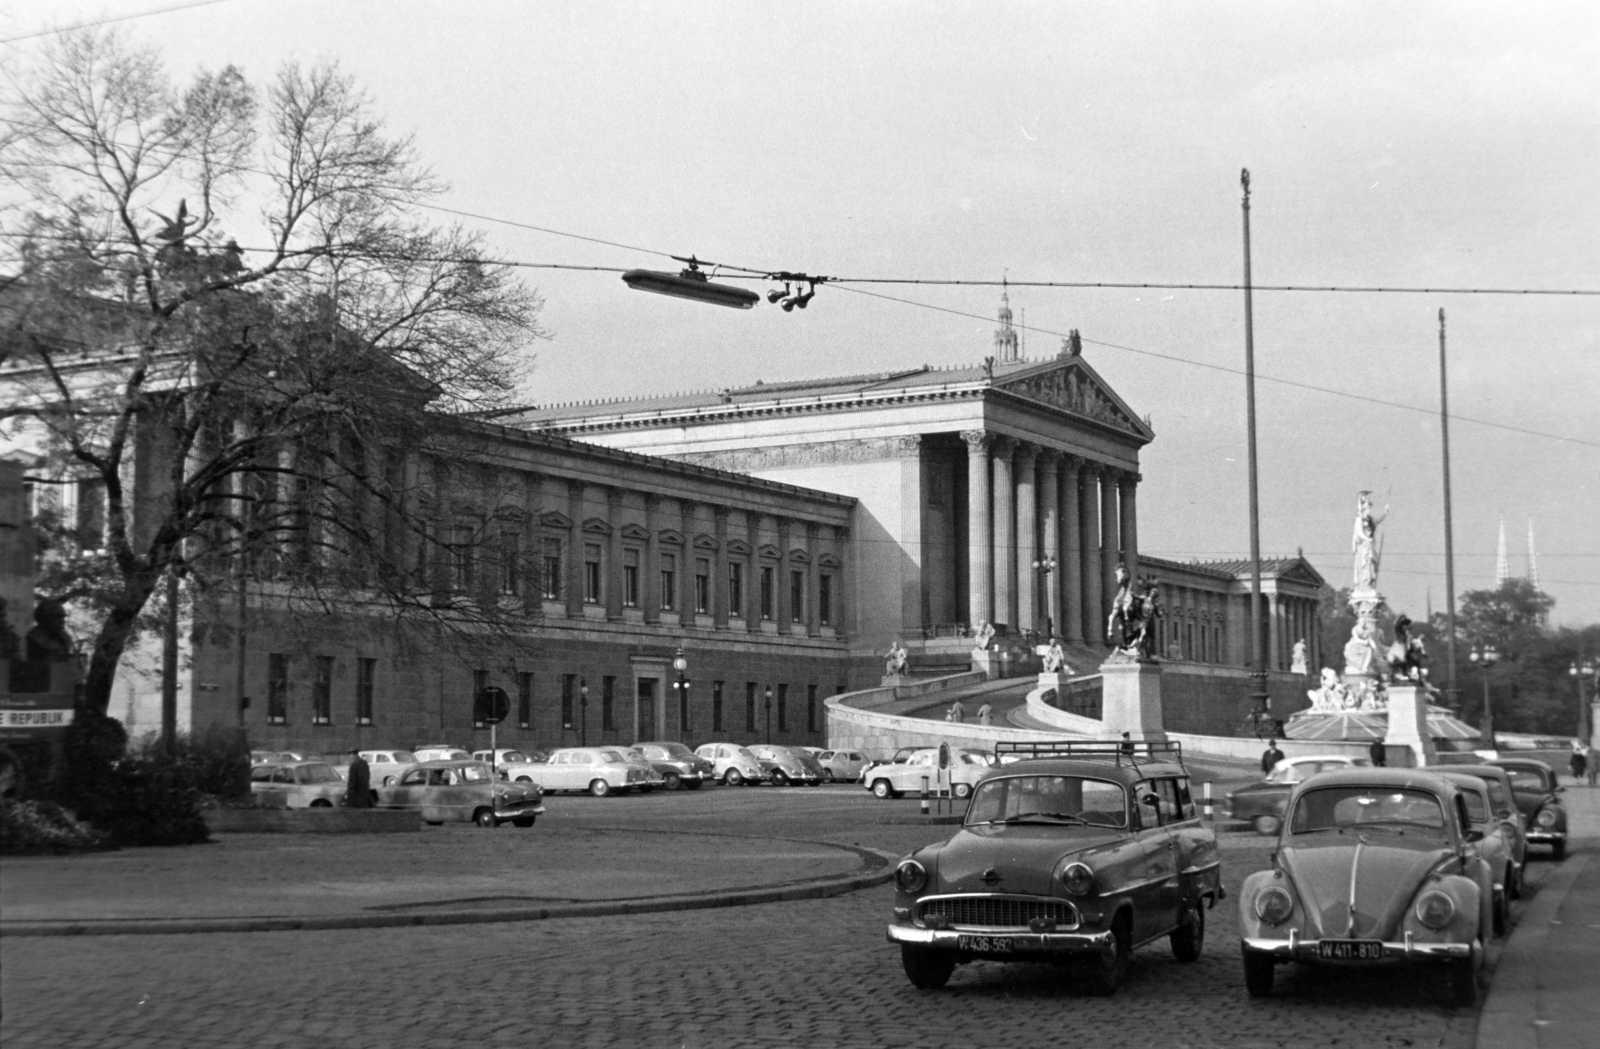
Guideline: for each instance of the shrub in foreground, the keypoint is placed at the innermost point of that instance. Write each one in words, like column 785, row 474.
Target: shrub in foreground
column 36, row 827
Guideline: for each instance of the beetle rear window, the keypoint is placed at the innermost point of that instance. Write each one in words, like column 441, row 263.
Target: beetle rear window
column 1525, row 779
column 1065, row 799
column 1338, row 808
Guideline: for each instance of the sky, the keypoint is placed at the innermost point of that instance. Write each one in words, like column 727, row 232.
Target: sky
column 1438, row 145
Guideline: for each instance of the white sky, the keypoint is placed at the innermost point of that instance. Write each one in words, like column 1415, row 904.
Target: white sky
column 1437, row 144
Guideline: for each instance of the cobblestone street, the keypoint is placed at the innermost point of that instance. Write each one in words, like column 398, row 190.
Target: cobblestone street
column 807, row 973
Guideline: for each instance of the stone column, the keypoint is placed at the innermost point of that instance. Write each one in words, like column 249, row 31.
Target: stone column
column 1127, row 487
column 813, row 590
column 1094, row 623
column 1005, row 542
column 614, row 555
column 1274, row 633
column 844, row 588
column 651, row 583
column 575, row 550
column 1071, row 570
column 684, row 580
column 785, row 607
column 1109, row 554
column 1027, row 537
column 980, row 533
column 752, row 574
column 719, row 569
column 1050, row 533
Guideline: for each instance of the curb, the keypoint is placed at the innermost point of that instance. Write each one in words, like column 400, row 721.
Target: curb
column 878, row 869
column 1510, row 1010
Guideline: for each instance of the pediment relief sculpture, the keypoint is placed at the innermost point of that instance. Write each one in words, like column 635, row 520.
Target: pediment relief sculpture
column 1077, row 393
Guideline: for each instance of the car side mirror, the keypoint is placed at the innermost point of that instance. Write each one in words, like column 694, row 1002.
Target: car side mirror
column 1474, row 835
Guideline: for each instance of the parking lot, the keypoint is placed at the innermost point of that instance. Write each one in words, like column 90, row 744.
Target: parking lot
column 802, row 973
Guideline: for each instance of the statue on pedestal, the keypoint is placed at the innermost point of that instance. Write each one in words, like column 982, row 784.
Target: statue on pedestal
column 1364, row 542
column 1130, row 629
column 1333, row 695
column 1055, row 659
column 894, row 663
column 982, row 636
column 1298, row 660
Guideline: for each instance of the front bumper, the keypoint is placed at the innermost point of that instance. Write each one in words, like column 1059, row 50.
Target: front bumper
column 518, row 811
column 1032, row 943
column 1540, row 836
column 1294, row 949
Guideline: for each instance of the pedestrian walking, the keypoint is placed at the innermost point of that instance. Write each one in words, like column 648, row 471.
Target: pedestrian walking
column 1589, row 757
column 1271, row 756
column 1126, row 747
column 958, row 713
column 1380, row 755
column 1579, row 761
column 985, row 715
column 358, row 782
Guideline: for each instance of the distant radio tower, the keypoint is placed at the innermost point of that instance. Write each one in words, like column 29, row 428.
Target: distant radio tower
column 1502, row 570
column 1533, row 559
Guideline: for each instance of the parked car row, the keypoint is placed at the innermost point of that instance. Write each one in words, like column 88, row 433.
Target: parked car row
column 1078, row 853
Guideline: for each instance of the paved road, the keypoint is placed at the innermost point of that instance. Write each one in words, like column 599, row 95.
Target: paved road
column 811, row 973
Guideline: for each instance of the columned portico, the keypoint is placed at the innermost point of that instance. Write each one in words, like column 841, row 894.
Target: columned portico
column 1027, row 537
column 1071, row 571
column 1050, row 531
column 980, row 530
column 1109, row 553
column 1126, row 489
column 1005, row 542
column 1089, row 522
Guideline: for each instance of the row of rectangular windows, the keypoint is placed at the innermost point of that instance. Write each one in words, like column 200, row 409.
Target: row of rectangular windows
column 574, row 696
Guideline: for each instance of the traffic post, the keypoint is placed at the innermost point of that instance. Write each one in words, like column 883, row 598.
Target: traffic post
column 1205, row 794
column 924, row 795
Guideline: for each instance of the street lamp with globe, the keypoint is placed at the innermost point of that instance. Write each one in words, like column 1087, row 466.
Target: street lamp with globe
column 1580, row 675
column 681, row 688
column 769, row 713
column 1484, row 658
column 1044, row 566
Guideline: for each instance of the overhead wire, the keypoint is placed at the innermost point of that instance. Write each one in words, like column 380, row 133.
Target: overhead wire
column 109, row 19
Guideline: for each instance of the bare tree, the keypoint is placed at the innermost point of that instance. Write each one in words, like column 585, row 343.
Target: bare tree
column 227, row 315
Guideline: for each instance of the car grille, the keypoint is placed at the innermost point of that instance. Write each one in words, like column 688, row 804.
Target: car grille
column 998, row 912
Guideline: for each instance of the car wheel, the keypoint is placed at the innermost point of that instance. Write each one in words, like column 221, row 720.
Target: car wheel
column 780, row 778
column 389, row 781
column 1513, row 882
column 322, row 803
column 1189, row 938
column 881, row 789
column 672, row 782
column 733, row 778
column 1110, row 967
column 524, row 779
column 485, row 818
column 599, row 788
column 1258, row 973
column 827, row 774
column 1267, row 826
column 927, row 969
column 963, row 790
column 523, row 821
column 1558, row 851
column 1463, row 983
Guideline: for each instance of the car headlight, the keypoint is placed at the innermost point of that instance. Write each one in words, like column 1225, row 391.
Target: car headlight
column 910, row 876
column 1435, row 909
column 1546, row 818
column 1078, row 879
column 1274, row 905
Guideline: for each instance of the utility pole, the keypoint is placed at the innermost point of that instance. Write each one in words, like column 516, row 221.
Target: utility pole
column 169, row 666
column 1452, row 700
column 1258, row 666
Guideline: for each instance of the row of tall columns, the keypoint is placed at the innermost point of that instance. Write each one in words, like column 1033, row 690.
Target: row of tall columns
column 1293, row 619
column 1025, row 504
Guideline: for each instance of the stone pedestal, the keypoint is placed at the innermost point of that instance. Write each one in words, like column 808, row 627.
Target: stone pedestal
column 987, row 661
column 1051, row 680
column 1131, row 700
column 894, row 680
column 1408, row 723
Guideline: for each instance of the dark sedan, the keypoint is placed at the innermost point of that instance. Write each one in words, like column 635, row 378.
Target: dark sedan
column 1533, row 784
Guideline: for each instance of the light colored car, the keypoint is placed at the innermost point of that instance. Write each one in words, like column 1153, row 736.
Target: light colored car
column 297, row 785
column 1373, row 866
column 731, row 763
column 678, row 765
column 466, row 791
column 1081, row 857
column 598, row 770
column 440, row 752
column 518, row 766
column 1261, row 804
column 843, row 765
column 653, row 777
column 783, row 766
column 894, row 779
column 1496, row 845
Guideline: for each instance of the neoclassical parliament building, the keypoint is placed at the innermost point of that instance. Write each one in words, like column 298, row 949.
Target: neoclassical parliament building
column 776, row 538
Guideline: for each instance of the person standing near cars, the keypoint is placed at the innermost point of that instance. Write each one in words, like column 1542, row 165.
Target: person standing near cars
column 358, row 782
column 1271, row 756
column 1579, row 761
column 1380, row 756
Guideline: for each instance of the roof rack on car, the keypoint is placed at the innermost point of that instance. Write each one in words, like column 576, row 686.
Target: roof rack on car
column 1132, row 752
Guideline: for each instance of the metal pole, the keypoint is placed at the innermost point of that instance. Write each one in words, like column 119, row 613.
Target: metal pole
column 169, row 667
column 1205, row 805
column 238, row 671
column 1257, row 664
column 1488, row 711
column 1452, row 700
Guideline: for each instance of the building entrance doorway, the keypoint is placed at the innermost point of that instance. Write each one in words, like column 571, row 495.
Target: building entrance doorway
column 646, row 715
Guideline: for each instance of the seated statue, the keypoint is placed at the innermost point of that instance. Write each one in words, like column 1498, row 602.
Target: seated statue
column 894, row 663
column 1055, row 659
column 982, row 636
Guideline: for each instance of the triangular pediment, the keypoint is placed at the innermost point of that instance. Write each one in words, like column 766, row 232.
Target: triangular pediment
column 671, row 537
column 555, row 519
column 635, row 532
column 1302, row 572
column 597, row 525
column 704, row 542
column 1072, row 386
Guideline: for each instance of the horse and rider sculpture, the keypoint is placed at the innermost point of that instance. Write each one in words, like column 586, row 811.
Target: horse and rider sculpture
column 1131, row 627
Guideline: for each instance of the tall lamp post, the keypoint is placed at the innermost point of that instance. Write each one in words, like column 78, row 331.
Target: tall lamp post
column 681, row 688
column 1483, row 659
column 1580, row 675
column 1044, row 566
column 769, row 713
column 583, row 710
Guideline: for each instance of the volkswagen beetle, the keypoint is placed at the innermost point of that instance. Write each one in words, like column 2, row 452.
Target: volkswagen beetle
column 1533, row 783
column 1372, row 866
column 1075, row 854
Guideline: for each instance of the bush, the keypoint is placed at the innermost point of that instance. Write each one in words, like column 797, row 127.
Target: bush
column 150, row 802
column 34, row 827
column 91, row 747
column 215, row 761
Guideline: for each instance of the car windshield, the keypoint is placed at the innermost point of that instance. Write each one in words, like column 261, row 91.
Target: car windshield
column 475, row 774
column 675, row 750
column 1525, row 779
column 1339, row 808
column 515, row 756
column 1049, row 799
column 316, row 774
column 744, row 752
